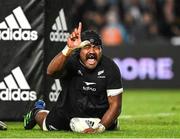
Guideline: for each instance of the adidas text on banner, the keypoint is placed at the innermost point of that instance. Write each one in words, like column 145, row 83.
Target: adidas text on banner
column 55, row 91
column 59, row 33
column 15, row 88
column 16, row 27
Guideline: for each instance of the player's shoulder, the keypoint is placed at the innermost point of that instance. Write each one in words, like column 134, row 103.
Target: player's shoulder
column 74, row 58
column 108, row 62
column 109, row 65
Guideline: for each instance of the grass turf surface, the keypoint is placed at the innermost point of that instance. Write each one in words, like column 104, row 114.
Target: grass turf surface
column 145, row 114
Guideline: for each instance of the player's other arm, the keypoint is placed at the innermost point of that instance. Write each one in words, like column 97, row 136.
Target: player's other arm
column 114, row 110
column 58, row 62
column 114, row 94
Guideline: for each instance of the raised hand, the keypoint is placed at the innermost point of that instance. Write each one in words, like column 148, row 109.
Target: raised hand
column 74, row 39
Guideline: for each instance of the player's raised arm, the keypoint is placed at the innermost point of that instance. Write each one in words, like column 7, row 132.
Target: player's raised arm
column 75, row 38
column 73, row 42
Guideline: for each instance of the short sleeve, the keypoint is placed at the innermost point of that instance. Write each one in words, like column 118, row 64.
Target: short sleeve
column 114, row 82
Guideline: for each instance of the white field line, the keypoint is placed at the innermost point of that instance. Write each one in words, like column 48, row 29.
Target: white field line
column 146, row 115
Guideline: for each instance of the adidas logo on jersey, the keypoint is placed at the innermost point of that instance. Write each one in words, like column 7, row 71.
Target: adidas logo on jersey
column 56, row 89
column 59, row 33
column 15, row 88
column 16, row 27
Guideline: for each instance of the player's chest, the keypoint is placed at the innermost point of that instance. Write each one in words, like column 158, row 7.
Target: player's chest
column 91, row 82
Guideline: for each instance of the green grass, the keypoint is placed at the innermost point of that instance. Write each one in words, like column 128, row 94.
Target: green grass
column 145, row 114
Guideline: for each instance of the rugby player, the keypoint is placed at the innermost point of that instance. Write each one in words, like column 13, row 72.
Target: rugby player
column 91, row 88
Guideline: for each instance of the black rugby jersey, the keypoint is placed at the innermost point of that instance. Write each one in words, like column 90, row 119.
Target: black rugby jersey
column 84, row 92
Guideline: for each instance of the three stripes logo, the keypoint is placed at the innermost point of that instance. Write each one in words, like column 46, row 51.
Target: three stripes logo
column 56, row 89
column 89, row 123
column 59, row 33
column 15, row 88
column 16, row 27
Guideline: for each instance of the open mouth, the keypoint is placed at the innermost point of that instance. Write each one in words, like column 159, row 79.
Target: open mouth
column 91, row 58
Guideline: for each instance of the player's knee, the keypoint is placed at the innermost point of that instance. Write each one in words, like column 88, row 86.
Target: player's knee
column 40, row 116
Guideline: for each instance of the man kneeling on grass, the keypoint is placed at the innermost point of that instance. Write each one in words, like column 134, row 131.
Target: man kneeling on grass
column 91, row 97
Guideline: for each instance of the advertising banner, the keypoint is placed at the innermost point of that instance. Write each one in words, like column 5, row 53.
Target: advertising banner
column 21, row 56
column 146, row 65
column 57, row 29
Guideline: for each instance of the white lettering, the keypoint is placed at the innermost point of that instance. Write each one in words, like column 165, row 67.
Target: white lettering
column 89, row 88
column 17, row 95
column 53, row 96
column 129, row 68
column 145, row 68
column 164, row 70
column 18, row 35
column 59, row 36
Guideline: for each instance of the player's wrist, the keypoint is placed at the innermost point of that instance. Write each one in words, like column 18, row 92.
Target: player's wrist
column 66, row 51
